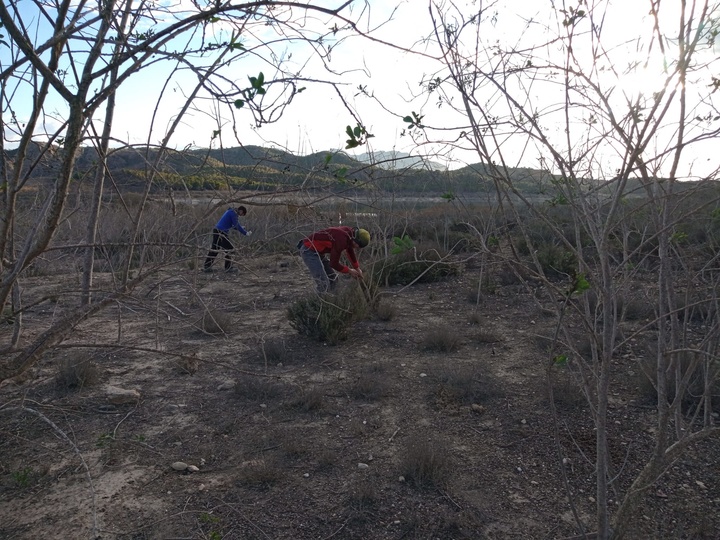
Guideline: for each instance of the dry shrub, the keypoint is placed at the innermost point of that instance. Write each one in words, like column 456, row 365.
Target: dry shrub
column 411, row 267
column 488, row 336
column 363, row 496
column 216, row 322
column 369, row 386
column 464, row 385
column 259, row 389
column 328, row 317
column 274, row 351
column 699, row 376
column 441, row 339
column 76, row 373
column 260, row 473
column 386, row 311
column 567, row 392
column 425, row 463
column 307, row 399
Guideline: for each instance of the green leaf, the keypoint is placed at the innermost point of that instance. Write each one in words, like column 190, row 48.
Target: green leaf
column 402, row 244
column 349, row 131
column 328, row 158
column 357, row 131
column 581, row 284
column 214, row 19
column 341, row 172
column 301, row 89
column 239, row 103
column 351, row 143
column 408, row 119
column 560, row 360
column 449, row 196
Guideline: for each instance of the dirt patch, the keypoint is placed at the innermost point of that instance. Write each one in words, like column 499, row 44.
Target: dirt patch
column 380, row 436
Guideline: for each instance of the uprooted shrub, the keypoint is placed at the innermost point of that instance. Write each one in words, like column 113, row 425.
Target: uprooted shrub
column 328, row 317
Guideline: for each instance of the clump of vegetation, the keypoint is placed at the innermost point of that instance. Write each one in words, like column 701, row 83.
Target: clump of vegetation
column 259, row 389
column 425, row 463
column 410, row 267
column 307, row 399
column 22, row 477
column 385, row 311
column 215, row 322
column 260, row 473
column 274, row 351
column 369, row 386
column 76, row 373
column 441, row 339
column 567, row 391
column 363, row 496
column 328, row 317
column 463, row 385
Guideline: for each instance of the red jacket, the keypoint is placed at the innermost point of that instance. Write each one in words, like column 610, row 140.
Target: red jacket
column 334, row 240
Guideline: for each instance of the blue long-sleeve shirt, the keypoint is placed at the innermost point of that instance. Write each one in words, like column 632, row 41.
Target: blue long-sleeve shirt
column 228, row 221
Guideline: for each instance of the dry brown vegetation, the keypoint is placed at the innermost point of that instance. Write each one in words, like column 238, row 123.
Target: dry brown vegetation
column 427, row 417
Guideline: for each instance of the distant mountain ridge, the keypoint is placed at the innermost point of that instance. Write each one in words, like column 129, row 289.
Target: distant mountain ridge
column 270, row 169
column 399, row 160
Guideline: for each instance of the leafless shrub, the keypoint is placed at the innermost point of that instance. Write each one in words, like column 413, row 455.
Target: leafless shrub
column 441, row 339
column 425, row 463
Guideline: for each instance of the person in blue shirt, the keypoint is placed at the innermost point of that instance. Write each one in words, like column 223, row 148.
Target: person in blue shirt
column 221, row 238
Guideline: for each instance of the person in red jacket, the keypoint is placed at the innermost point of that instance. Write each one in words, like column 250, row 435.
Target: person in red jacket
column 321, row 250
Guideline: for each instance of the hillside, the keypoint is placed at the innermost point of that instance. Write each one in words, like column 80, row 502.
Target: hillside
column 258, row 168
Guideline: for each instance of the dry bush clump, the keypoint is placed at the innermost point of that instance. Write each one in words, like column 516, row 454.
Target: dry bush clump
column 363, row 496
column 425, row 463
column 307, row 399
column 328, row 317
column 463, row 385
column 567, row 392
column 259, row 389
column 76, row 373
column 386, row 311
column 488, row 335
column 260, row 473
column 369, row 386
column 216, row 322
column 274, row 351
column 411, row 266
column 441, row 339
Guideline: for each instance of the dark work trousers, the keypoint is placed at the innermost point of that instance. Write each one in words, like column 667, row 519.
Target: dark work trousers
column 322, row 273
column 220, row 241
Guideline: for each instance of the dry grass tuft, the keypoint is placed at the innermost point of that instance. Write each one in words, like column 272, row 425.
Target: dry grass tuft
column 76, row 373
column 216, row 322
column 441, row 339
column 425, row 463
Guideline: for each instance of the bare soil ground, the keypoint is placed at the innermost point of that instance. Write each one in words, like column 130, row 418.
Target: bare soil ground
column 376, row 437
